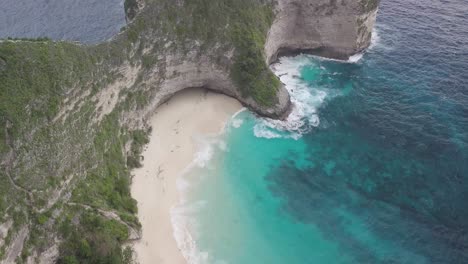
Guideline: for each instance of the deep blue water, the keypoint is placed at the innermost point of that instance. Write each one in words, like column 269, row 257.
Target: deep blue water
column 394, row 150
column 87, row 21
column 376, row 167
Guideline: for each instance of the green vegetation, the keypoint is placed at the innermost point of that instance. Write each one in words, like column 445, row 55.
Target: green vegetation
column 49, row 124
column 369, row 5
column 249, row 70
column 94, row 240
column 131, row 8
column 136, row 28
column 38, row 72
column 243, row 24
column 35, row 77
column 41, row 39
column 139, row 139
column 108, row 185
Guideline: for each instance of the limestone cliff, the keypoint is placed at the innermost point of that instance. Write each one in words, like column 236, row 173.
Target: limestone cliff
column 73, row 118
column 330, row 28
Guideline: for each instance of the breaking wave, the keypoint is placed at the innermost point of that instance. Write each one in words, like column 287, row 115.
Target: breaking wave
column 185, row 228
column 182, row 215
column 304, row 115
column 305, row 99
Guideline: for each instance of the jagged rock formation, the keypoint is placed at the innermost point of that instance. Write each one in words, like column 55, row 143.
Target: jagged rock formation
column 73, row 117
column 213, row 57
column 330, row 28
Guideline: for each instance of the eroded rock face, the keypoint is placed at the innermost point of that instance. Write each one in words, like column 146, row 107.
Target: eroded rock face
column 152, row 69
column 182, row 73
column 330, row 28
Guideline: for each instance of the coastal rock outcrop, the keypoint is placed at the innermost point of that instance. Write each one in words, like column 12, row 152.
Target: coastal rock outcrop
column 73, row 118
column 186, row 71
column 330, row 28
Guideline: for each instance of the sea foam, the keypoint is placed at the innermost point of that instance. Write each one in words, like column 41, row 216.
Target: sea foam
column 305, row 101
column 185, row 228
column 236, row 123
column 355, row 58
column 205, row 151
column 375, row 40
column 182, row 215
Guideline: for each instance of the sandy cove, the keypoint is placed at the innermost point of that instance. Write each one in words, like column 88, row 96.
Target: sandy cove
column 171, row 150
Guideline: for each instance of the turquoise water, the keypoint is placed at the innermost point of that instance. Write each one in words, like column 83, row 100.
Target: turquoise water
column 247, row 206
column 244, row 230
column 371, row 167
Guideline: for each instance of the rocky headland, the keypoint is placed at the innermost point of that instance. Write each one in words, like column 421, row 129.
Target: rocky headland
column 74, row 118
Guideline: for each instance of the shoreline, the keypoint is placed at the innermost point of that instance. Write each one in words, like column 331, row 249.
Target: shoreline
column 169, row 153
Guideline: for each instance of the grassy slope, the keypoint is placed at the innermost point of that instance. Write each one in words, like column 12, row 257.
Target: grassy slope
column 37, row 76
column 33, row 84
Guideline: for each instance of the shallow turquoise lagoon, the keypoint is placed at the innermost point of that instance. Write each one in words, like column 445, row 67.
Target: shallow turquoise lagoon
column 371, row 167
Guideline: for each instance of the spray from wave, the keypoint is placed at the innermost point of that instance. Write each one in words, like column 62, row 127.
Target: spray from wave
column 356, row 58
column 306, row 100
column 237, row 122
column 304, row 115
column 375, row 40
column 186, row 227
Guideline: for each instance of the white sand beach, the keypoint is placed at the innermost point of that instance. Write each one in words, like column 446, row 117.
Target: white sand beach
column 171, row 149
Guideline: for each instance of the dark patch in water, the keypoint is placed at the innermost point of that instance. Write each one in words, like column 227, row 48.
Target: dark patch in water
column 390, row 158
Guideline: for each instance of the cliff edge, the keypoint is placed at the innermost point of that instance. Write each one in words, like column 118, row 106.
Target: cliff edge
column 335, row 29
column 74, row 118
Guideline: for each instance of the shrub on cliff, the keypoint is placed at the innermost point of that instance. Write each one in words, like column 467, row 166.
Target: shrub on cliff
column 250, row 72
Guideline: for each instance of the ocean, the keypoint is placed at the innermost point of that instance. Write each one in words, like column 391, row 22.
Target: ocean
column 371, row 167
column 86, row 21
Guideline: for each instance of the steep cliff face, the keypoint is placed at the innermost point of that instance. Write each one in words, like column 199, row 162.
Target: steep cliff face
column 330, row 28
column 219, row 46
column 73, row 117
column 188, row 70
